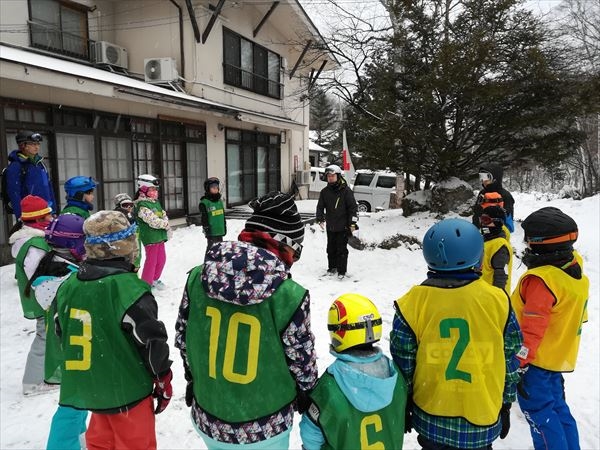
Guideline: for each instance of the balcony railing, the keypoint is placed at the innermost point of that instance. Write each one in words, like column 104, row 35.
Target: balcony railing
column 51, row 38
column 236, row 76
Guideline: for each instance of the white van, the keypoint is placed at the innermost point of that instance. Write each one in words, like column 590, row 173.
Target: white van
column 372, row 189
column 318, row 181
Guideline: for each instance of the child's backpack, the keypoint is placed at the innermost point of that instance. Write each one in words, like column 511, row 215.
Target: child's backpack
column 4, row 188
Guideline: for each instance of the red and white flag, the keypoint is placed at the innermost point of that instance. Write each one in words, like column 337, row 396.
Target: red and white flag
column 347, row 165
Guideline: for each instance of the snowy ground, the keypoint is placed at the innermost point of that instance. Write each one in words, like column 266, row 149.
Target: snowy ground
column 382, row 275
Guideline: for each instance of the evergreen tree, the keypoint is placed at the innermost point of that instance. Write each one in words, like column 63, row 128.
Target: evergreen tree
column 323, row 116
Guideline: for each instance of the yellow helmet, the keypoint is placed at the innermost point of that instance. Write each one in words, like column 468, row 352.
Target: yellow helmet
column 353, row 320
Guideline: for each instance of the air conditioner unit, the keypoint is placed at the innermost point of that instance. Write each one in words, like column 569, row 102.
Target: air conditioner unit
column 111, row 54
column 283, row 63
column 160, row 70
column 303, row 177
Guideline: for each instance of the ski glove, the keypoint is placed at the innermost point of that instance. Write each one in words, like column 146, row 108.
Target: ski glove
column 163, row 391
column 521, row 384
column 189, row 393
column 303, row 401
column 505, row 420
column 352, row 228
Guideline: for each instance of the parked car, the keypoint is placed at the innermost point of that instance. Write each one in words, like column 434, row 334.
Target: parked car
column 372, row 189
column 318, row 181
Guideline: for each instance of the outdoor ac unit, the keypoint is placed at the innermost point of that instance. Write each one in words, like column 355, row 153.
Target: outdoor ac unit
column 160, row 70
column 283, row 62
column 303, row 177
column 107, row 53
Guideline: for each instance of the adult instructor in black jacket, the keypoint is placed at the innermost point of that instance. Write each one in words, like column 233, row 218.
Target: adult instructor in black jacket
column 337, row 209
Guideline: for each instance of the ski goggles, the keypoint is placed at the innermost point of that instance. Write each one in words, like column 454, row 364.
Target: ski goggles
column 486, row 176
column 126, row 205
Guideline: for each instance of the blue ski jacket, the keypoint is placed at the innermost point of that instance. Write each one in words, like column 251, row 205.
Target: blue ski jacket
column 27, row 176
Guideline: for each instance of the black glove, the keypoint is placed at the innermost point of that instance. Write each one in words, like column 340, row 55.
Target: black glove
column 189, row 393
column 302, row 402
column 505, row 420
column 521, row 384
column 352, row 228
column 408, row 415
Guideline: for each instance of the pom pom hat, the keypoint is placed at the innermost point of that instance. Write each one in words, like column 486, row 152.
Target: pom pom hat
column 276, row 214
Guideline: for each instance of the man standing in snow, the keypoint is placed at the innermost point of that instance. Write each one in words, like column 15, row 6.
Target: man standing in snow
column 490, row 176
column 26, row 173
column 244, row 333
column 337, row 212
column 455, row 339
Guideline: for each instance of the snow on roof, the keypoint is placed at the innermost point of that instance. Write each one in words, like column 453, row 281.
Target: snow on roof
column 313, row 146
column 82, row 70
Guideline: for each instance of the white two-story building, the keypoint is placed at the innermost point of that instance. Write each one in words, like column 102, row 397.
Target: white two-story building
column 183, row 89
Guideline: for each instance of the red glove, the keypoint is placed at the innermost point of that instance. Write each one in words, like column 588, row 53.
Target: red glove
column 163, row 391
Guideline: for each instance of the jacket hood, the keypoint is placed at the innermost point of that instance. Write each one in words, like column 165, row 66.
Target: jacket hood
column 497, row 171
column 240, row 273
column 22, row 235
column 367, row 382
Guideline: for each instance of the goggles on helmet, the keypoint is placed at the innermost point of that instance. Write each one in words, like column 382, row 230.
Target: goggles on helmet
column 486, row 176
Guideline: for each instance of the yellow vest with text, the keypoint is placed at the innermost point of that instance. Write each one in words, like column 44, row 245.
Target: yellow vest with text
column 489, row 250
column 560, row 344
column 460, row 366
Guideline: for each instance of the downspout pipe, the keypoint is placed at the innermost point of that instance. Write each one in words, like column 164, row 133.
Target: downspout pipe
column 181, row 50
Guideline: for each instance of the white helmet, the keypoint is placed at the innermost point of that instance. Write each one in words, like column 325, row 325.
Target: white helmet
column 333, row 168
column 147, row 180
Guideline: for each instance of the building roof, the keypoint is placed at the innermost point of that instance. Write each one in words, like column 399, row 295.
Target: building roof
column 125, row 84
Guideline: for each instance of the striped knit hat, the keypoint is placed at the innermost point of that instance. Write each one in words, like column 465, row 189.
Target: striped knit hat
column 276, row 214
column 33, row 208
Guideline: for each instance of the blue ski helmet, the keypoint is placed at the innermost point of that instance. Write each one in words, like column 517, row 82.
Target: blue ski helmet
column 452, row 244
column 79, row 184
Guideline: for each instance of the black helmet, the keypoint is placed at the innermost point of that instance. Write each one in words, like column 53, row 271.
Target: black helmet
column 209, row 182
column 549, row 229
column 28, row 136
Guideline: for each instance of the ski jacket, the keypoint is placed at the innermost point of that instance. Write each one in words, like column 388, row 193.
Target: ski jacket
column 27, row 176
column 152, row 221
column 495, row 186
column 241, row 275
column 551, row 307
column 28, row 247
column 409, row 351
column 80, row 208
column 358, row 402
column 496, row 267
column 337, row 206
column 212, row 216
column 109, row 366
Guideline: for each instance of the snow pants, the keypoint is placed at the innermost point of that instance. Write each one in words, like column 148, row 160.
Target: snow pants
column 551, row 424
column 279, row 442
column 34, row 367
column 127, row 430
column 337, row 251
column 156, row 258
column 67, row 425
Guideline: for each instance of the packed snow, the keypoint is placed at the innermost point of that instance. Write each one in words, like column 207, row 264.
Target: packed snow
column 382, row 275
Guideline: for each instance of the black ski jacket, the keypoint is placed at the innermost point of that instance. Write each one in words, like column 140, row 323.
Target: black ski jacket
column 337, row 206
column 495, row 186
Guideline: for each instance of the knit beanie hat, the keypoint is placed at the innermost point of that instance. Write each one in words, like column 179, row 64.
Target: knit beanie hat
column 110, row 235
column 276, row 214
column 33, row 208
